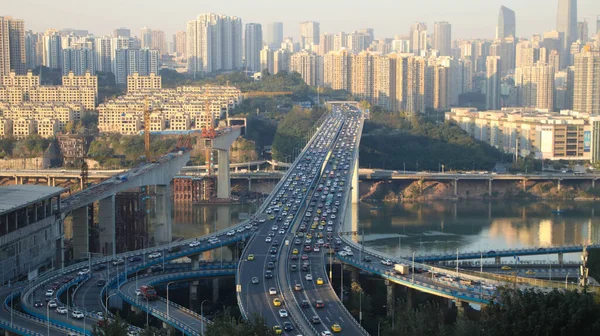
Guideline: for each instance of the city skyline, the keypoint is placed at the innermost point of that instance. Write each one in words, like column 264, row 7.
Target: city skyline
column 534, row 16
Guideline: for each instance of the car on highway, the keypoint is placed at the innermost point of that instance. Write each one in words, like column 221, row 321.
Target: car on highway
column 135, row 259
column 38, row 303
column 255, row 280
column 319, row 304
column 305, row 304
column 319, row 281
column 78, row 314
column 506, row 268
column 283, row 313
column 277, row 329
column 325, row 333
column 336, row 328
column 295, row 251
column 308, row 277
column 367, row 259
column 530, row 272
column 84, row 271
column 62, row 310
column 99, row 268
column 138, row 292
column 268, row 239
column 49, row 293
column 268, row 274
column 315, row 320
column 276, row 302
column 231, row 233
column 118, row 262
column 52, row 304
column 250, row 257
column 195, row 243
column 100, row 283
column 387, row 262
column 298, row 287
column 287, row 326
column 272, row 291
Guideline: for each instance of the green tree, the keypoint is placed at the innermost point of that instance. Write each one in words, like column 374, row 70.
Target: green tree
column 229, row 326
column 31, row 146
column 153, row 331
column 293, row 131
column 116, row 327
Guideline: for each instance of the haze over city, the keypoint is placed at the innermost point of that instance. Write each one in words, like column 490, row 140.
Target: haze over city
column 469, row 18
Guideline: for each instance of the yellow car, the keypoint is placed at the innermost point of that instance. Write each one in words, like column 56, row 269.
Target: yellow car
column 272, row 217
column 336, row 328
column 314, row 226
column 276, row 302
column 506, row 268
column 277, row 329
column 530, row 272
column 295, row 251
column 250, row 257
column 319, row 281
column 309, row 235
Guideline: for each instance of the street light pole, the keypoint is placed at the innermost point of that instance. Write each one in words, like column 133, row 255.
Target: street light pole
column 378, row 328
column 48, row 319
column 202, row 314
column 566, row 278
column 413, row 268
column 170, row 282
column 106, row 304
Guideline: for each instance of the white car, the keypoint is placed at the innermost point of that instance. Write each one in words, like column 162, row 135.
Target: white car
column 52, row 304
column 282, row 231
column 326, row 333
column 283, row 313
column 349, row 253
column 316, row 248
column 213, row 241
column 195, row 243
column 49, row 292
column 262, row 220
column 268, row 240
column 230, row 233
column 138, row 292
column 83, row 272
column 62, row 310
column 387, row 262
column 154, row 255
column 78, row 314
column 308, row 277
column 272, row 291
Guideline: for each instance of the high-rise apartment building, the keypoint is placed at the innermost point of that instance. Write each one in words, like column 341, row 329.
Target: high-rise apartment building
column 253, row 44
column 12, row 46
column 214, row 42
column 266, row 59
column 326, row 44
column 79, row 61
column 179, row 43
column 309, row 34
column 307, row 65
column 526, row 54
column 418, row 38
column 103, row 53
column 159, row 42
column 358, row 41
column 535, row 85
column 339, row 41
column 274, row 35
column 493, row 76
column 337, row 70
column 281, row 60
column 33, row 50
column 129, row 61
column 52, row 49
column 442, row 38
column 361, row 76
column 122, row 32
column 586, row 85
column 507, row 23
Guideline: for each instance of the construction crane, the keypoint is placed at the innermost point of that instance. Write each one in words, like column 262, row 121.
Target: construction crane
column 208, row 133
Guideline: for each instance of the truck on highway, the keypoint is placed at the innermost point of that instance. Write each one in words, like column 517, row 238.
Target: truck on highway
column 401, row 269
column 148, row 292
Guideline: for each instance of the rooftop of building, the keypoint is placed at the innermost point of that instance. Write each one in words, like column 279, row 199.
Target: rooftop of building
column 19, row 196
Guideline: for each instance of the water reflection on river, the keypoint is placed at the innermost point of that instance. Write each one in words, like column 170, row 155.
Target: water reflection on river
column 197, row 220
column 401, row 229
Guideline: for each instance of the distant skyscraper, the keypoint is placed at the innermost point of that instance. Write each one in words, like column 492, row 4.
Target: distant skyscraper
column 52, row 49
column 493, row 75
column 442, row 38
column 253, row 43
column 12, row 46
column 582, row 31
column 33, row 50
column 146, row 37
column 306, row 64
column 566, row 24
column 418, row 37
column 159, row 41
column 179, row 41
column 586, row 90
column 274, row 35
column 309, row 34
column 214, row 42
column 507, row 23
column 103, row 54
column 4, row 47
column 536, row 86
column 122, row 32
column 129, row 61
column 598, row 25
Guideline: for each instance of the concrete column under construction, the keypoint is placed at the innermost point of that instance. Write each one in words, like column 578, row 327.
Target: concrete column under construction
column 106, row 222
column 81, row 236
column 223, row 181
column 391, row 298
column 194, row 284
column 164, row 222
column 355, row 191
column 215, row 289
column 490, row 187
column 455, row 187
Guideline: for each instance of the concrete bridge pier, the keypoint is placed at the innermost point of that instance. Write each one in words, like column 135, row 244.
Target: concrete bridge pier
column 353, row 273
column 498, row 259
column 593, row 183
column 195, row 261
column 455, row 187
column 410, row 297
column 560, row 258
column 223, row 179
column 558, row 184
column 81, row 235
column 355, row 191
column 490, row 187
column 215, row 290
column 391, row 298
column 164, row 222
column 106, row 221
column 249, row 184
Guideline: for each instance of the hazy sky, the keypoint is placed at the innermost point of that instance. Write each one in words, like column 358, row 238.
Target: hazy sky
column 469, row 18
